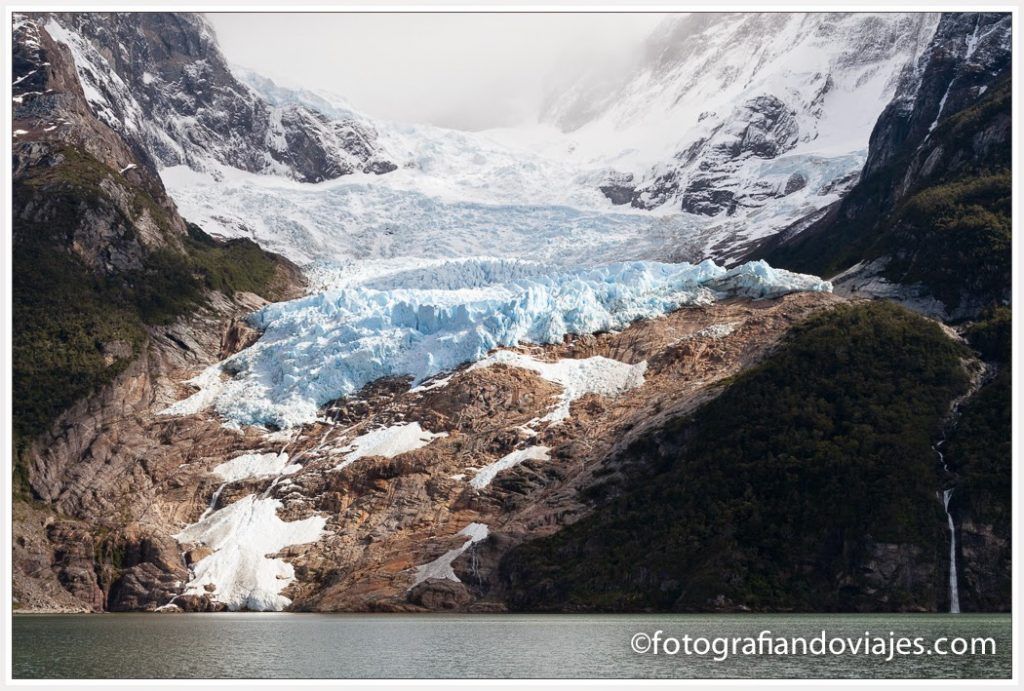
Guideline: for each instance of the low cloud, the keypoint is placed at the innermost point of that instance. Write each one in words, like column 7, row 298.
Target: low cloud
column 462, row 70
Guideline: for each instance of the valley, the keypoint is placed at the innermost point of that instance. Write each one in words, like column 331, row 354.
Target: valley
column 684, row 344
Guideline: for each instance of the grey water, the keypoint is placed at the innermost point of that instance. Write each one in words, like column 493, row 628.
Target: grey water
column 251, row 645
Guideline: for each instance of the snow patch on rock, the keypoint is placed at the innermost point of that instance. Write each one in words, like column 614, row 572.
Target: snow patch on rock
column 255, row 465
column 489, row 472
column 241, row 536
column 435, row 383
column 209, row 383
column 598, row 375
column 717, row 330
column 388, row 442
column 441, row 568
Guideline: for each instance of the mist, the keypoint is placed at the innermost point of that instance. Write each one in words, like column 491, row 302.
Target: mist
column 467, row 71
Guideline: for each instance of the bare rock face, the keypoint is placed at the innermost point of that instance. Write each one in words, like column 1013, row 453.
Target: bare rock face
column 889, row 563
column 142, row 587
column 37, row 584
column 73, row 563
column 103, row 463
column 238, row 336
column 198, row 603
column 619, row 188
column 969, row 53
column 439, row 596
column 763, row 127
column 795, row 183
column 160, row 81
column 983, row 562
column 148, row 572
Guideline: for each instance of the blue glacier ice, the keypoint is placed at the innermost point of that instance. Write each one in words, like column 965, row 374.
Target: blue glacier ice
column 431, row 319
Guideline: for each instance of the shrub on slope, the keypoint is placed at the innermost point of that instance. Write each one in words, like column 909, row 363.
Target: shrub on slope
column 809, row 484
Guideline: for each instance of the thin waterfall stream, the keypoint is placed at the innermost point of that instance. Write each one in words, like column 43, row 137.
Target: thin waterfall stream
column 977, row 379
column 954, row 591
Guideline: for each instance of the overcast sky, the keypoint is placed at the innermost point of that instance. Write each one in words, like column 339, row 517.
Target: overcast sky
column 468, row 71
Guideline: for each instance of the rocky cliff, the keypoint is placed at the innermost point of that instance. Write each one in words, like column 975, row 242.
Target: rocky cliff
column 138, row 497
column 112, row 289
column 929, row 220
column 160, row 80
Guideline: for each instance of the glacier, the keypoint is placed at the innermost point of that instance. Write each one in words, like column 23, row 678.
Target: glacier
column 417, row 324
column 532, row 207
column 515, row 210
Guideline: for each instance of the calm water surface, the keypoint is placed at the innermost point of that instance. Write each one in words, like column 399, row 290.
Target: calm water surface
column 248, row 645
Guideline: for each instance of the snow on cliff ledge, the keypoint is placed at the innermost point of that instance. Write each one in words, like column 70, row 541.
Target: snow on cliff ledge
column 325, row 346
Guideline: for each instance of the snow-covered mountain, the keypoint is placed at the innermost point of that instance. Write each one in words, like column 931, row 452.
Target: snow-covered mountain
column 724, row 129
column 728, row 127
column 710, row 94
column 453, row 194
column 161, row 80
column 741, row 120
column 948, row 129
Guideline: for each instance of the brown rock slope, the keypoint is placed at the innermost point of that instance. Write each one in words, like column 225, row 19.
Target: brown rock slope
column 128, row 478
column 114, row 295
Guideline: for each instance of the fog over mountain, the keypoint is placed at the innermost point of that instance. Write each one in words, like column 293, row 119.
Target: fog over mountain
column 461, row 70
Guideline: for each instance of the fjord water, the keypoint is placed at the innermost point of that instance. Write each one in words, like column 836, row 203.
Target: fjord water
column 249, row 645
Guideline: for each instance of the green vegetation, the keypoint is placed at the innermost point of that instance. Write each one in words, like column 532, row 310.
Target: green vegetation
column 949, row 232
column 954, row 238
column 232, row 265
column 991, row 335
column 76, row 327
column 773, row 494
column 979, row 451
column 64, row 317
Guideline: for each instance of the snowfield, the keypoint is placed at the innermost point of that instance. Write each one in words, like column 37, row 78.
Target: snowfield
column 255, row 465
column 241, row 536
column 410, row 214
column 388, row 442
column 503, row 211
column 325, row 346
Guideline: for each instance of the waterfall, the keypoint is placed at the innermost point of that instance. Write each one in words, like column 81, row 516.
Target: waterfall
column 979, row 376
column 213, row 501
column 954, row 592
